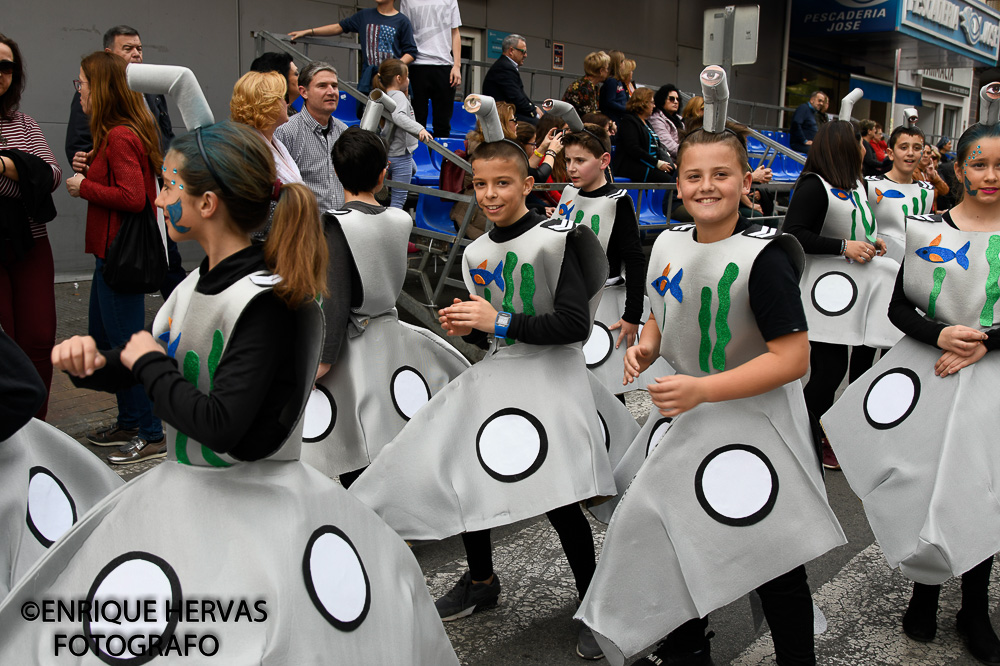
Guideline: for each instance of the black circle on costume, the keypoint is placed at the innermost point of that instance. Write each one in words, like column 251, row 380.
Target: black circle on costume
column 543, row 445
column 176, row 599
column 392, row 393
column 912, row 376
column 333, row 416
column 605, row 431
column 854, row 294
column 311, row 588
column 42, row 539
column 656, row 426
column 754, row 517
column 611, row 343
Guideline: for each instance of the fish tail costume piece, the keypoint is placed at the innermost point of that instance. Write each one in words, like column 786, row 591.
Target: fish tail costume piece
column 387, row 370
column 846, row 302
column 916, row 448
column 728, row 495
column 517, row 434
column 891, row 203
column 300, row 571
column 606, row 362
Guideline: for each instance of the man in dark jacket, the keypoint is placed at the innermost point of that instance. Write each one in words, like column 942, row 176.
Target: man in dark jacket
column 503, row 82
column 804, row 125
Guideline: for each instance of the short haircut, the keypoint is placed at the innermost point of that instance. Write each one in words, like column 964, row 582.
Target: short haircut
column 272, row 61
column 118, row 31
column 835, row 155
column 816, row 93
column 501, row 150
column 511, row 41
column 359, row 156
column 901, row 130
column 314, row 68
column 592, row 138
column 596, row 119
column 594, row 62
column 867, row 126
column 258, row 98
column 640, row 98
column 735, row 136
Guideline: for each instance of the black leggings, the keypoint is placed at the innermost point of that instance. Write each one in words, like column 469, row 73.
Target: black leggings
column 574, row 533
column 788, row 608
column 828, row 364
column 975, row 590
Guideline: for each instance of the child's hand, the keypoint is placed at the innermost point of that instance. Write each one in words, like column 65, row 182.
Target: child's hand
column 139, row 344
column 78, row 356
column 450, row 327
column 880, row 247
column 475, row 313
column 961, row 340
column 950, row 362
column 628, row 331
column 859, row 251
column 425, row 136
column 637, row 359
column 676, row 394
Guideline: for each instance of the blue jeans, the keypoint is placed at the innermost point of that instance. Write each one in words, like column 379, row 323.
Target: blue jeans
column 401, row 171
column 114, row 317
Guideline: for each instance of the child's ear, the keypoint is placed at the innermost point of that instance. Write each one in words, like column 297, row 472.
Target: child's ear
column 381, row 180
column 747, row 182
column 529, row 183
column 605, row 161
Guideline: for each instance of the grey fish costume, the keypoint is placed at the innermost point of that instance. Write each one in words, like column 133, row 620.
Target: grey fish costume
column 387, row 370
column 892, row 203
column 846, row 302
column 49, row 482
column 606, row 362
column 916, row 448
column 722, row 476
column 320, row 576
column 517, row 434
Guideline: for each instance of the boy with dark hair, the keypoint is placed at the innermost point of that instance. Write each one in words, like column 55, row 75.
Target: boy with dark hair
column 895, row 194
column 518, row 434
column 608, row 210
column 374, row 372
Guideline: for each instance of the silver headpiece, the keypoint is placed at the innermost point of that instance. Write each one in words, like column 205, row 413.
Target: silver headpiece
column 178, row 82
column 847, row 104
column 715, row 91
column 485, row 108
column 377, row 100
column 989, row 103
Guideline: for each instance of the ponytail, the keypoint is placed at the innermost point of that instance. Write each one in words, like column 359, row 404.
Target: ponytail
column 387, row 73
column 296, row 246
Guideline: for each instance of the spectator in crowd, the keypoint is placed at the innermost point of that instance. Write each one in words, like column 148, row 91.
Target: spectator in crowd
column 309, row 136
column 665, row 121
column 29, row 173
column 477, row 226
column 693, row 110
column 546, row 124
column 503, row 82
column 282, row 63
column 944, row 148
column 120, row 178
column 542, row 158
column 804, row 125
column 821, row 108
column 383, row 33
column 124, row 42
column 927, row 170
column 872, row 166
column 613, row 93
column 637, row 151
column 437, row 70
column 603, row 121
column 403, row 134
column 626, row 74
column 584, row 93
column 879, row 144
column 259, row 101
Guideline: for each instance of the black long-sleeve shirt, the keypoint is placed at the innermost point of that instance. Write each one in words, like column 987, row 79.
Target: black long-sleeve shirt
column 806, row 215
column 624, row 245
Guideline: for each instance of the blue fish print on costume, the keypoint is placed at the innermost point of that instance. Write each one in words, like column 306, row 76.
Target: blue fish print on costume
column 165, row 336
column 889, row 194
column 841, row 194
column 936, row 254
column 564, row 210
column 483, row 277
column 663, row 284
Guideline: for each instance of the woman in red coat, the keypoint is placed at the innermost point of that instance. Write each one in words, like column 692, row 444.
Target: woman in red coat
column 118, row 179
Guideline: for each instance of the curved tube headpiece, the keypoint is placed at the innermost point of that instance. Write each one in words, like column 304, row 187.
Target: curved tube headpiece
column 715, row 90
column 178, row 82
column 377, row 100
column 989, row 103
column 564, row 110
column 910, row 116
column 485, row 108
column 847, row 104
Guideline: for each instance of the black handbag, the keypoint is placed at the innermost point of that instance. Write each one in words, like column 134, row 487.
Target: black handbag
column 136, row 262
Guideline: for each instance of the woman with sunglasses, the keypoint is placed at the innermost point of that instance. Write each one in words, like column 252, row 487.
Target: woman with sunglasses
column 119, row 179
column 666, row 120
column 28, row 175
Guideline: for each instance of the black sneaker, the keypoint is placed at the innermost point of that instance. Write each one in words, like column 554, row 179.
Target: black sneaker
column 980, row 639
column 140, row 450
column 662, row 656
column 467, row 597
column 586, row 644
column 112, row 436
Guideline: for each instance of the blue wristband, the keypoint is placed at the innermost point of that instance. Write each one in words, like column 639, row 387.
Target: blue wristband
column 501, row 324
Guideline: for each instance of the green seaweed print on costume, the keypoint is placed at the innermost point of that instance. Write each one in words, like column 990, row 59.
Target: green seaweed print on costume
column 192, row 370
column 595, row 221
column 526, row 290
column 987, row 317
column 939, row 275
column 723, row 334
column 861, row 206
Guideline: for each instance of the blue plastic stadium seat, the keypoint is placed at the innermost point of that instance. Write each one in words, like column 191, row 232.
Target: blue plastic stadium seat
column 451, row 144
column 427, row 173
column 782, row 138
column 347, row 110
column 432, row 214
column 462, row 122
column 754, row 146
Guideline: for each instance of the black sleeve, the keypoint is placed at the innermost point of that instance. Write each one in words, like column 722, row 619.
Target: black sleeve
column 570, row 319
column 542, row 173
column 340, row 279
column 805, row 217
column 220, row 419
column 78, row 137
column 113, row 377
column 625, row 246
column 633, row 143
column 774, row 294
column 22, row 391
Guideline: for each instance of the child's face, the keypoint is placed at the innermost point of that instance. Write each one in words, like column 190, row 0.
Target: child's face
column 906, row 154
column 710, row 181
column 980, row 171
column 500, row 190
column 584, row 169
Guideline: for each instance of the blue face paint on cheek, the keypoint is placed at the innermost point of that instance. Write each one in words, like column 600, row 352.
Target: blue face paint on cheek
column 174, row 212
column 968, row 188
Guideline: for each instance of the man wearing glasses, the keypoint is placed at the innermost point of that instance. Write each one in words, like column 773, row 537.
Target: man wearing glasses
column 503, row 81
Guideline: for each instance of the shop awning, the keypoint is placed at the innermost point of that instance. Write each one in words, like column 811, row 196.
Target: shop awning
column 879, row 91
